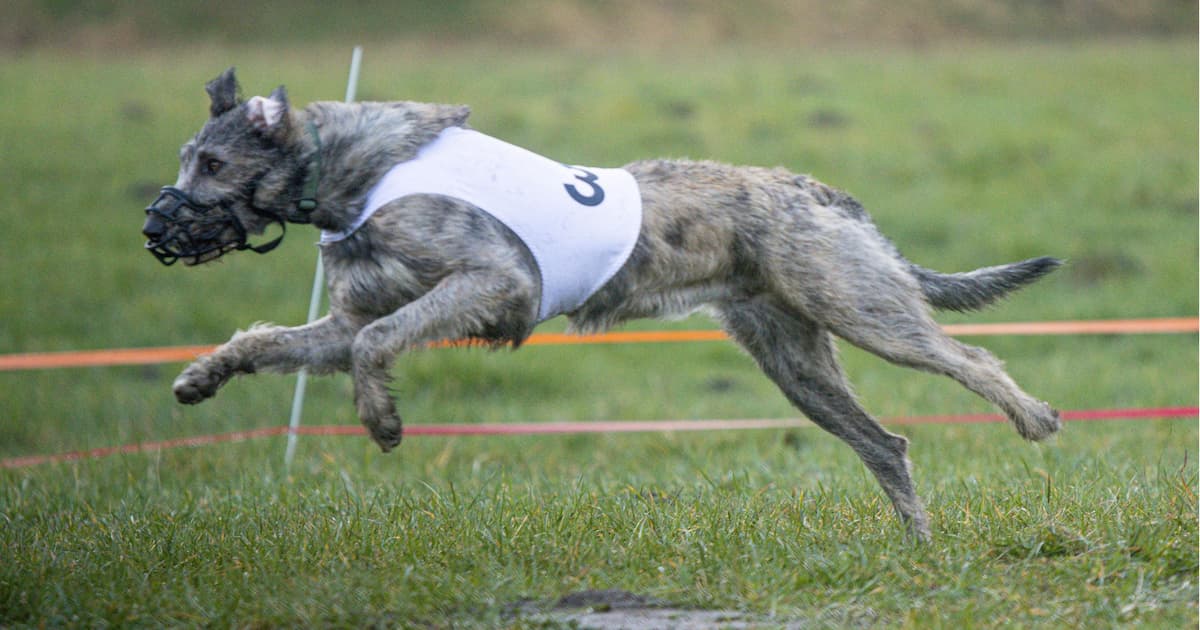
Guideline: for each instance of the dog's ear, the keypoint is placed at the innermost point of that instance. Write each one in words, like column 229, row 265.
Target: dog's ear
column 271, row 116
column 223, row 91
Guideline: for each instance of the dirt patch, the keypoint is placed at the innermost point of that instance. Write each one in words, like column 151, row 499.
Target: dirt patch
column 613, row 609
column 606, row 600
column 665, row 618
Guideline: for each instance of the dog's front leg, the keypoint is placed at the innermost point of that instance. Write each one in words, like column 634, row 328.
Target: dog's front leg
column 322, row 346
column 461, row 305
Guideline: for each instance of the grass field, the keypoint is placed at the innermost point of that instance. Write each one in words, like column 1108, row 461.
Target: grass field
column 965, row 157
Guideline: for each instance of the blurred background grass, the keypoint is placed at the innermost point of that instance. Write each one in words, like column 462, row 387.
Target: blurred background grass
column 599, row 24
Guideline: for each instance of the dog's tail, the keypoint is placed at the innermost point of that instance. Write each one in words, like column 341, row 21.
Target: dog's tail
column 974, row 290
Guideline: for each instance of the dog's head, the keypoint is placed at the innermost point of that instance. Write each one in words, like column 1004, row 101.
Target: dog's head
column 237, row 176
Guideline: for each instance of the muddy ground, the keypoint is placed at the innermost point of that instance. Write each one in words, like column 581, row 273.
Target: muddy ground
column 614, row 609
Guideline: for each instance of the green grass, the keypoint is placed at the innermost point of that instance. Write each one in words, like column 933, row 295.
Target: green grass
column 964, row 157
column 453, row 530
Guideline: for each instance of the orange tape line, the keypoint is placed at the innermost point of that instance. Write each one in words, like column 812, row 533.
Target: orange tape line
column 1094, row 327
column 91, row 358
column 174, row 354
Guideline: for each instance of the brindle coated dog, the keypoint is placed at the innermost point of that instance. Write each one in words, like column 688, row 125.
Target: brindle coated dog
column 784, row 262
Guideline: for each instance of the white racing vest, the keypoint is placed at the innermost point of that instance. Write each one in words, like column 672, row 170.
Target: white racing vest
column 580, row 224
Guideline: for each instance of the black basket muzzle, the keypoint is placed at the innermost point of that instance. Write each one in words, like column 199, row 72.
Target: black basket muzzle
column 177, row 227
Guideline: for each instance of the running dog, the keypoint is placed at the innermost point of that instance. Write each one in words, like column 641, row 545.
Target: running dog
column 432, row 231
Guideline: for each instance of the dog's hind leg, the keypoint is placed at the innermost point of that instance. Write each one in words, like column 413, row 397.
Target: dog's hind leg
column 799, row 356
column 463, row 305
column 902, row 332
column 322, row 346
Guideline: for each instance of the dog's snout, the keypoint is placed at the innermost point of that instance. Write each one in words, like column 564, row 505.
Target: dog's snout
column 153, row 228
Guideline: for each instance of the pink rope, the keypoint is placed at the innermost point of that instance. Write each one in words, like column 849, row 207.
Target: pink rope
column 544, row 428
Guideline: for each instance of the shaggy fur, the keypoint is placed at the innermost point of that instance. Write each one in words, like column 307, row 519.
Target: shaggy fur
column 783, row 261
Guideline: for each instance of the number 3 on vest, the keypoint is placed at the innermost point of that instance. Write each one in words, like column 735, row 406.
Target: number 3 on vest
column 597, row 193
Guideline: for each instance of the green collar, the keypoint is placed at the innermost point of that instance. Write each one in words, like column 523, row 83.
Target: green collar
column 308, row 201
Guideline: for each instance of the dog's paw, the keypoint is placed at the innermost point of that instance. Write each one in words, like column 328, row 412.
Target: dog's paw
column 917, row 530
column 195, row 384
column 378, row 415
column 387, row 434
column 1043, row 422
column 376, row 409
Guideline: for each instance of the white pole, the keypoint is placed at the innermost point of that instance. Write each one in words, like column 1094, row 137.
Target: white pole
column 314, row 302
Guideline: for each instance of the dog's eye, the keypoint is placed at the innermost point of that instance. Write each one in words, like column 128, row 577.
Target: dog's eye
column 212, row 167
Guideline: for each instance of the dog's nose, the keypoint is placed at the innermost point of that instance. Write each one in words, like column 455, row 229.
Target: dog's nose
column 153, row 229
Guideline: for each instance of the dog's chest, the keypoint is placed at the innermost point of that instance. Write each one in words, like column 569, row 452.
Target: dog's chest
column 369, row 288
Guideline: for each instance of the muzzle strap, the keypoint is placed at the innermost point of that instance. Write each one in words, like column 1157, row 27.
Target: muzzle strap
column 308, row 202
column 269, row 245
